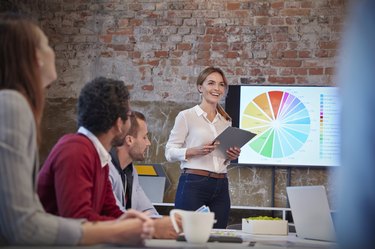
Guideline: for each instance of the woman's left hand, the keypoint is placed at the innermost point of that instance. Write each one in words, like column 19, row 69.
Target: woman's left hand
column 233, row 153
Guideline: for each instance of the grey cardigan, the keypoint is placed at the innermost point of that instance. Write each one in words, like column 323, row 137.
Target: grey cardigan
column 23, row 220
column 139, row 199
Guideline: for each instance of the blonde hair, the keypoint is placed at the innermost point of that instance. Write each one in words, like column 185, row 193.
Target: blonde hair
column 202, row 77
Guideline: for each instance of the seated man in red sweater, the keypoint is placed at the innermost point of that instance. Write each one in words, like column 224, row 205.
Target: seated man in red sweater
column 73, row 181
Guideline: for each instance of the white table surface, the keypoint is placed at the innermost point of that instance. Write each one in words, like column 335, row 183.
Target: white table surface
column 261, row 241
column 258, row 241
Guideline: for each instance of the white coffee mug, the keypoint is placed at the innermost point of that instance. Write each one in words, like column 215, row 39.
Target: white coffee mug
column 196, row 226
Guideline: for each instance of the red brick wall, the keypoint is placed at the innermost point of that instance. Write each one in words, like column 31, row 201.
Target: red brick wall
column 159, row 47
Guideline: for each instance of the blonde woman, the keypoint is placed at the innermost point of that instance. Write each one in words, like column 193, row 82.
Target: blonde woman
column 203, row 179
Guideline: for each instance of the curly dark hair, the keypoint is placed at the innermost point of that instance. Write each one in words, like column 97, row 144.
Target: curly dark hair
column 101, row 102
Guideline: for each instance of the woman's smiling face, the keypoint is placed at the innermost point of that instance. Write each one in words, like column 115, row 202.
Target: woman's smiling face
column 213, row 88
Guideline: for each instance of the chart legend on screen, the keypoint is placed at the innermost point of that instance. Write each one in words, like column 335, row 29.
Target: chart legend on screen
column 329, row 127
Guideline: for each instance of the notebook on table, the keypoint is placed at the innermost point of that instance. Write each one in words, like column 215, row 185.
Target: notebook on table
column 219, row 235
column 311, row 213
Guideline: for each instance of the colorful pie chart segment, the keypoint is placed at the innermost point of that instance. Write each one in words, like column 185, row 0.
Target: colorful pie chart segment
column 281, row 122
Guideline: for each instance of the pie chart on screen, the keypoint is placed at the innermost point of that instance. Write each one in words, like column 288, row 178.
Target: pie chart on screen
column 281, row 122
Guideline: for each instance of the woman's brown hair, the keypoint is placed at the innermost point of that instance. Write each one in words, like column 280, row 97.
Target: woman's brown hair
column 202, row 77
column 19, row 68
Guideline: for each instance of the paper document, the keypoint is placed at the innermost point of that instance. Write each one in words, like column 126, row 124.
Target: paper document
column 203, row 209
column 231, row 137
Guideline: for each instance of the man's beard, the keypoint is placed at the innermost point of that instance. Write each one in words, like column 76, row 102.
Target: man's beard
column 137, row 156
column 118, row 140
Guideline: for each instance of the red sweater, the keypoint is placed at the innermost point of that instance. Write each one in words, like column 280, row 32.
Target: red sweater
column 72, row 182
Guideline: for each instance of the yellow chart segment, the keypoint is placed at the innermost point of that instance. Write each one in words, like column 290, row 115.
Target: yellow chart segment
column 254, row 125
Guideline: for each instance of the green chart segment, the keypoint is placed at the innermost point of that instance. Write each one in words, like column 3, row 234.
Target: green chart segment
column 281, row 122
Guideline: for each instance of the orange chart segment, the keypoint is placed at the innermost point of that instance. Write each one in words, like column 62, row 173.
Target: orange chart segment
column 281, row 122
column 262, row 102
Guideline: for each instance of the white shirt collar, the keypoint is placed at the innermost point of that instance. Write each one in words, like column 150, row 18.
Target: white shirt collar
column 104, row 156
column 200, row 112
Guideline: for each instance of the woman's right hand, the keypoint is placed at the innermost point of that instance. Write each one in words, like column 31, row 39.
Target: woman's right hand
column 134, row 231
column 147, row 226
column 200, row 150
column 131, row 229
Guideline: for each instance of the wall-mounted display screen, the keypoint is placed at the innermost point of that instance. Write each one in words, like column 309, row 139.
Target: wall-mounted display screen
column 295, row 125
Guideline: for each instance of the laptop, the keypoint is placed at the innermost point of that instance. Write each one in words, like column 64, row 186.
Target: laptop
column 311, row 213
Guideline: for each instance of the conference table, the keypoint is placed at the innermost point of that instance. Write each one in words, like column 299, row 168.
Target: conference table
column 249, row 241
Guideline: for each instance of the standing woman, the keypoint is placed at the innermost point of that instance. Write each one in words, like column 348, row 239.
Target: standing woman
column 27, row 66
column 203, row 179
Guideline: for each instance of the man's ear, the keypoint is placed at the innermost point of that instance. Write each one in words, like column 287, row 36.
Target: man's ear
column 119, row 124
column 129, row 140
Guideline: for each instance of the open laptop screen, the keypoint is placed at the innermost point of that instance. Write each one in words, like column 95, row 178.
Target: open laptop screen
column 311, row 212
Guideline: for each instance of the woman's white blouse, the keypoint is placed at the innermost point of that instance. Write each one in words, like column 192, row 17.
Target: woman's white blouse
column 192, row 129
